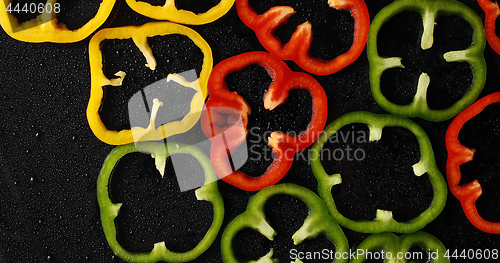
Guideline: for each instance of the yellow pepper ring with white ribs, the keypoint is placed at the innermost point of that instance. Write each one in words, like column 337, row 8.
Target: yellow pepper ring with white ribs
column 140, row 34
column 46, row 28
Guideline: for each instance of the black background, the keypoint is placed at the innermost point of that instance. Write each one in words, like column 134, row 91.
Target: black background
column 50, row 159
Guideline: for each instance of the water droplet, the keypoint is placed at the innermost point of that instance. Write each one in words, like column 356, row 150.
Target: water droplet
column 49, row 259
column 32, row 181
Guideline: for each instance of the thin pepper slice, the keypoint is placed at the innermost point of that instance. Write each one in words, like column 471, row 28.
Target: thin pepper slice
column 384, row 222
column 318, row 222
column 491, row 11
column 109, row 210
column 394, row 248
column 429, row 11
column 223, row 103
column 139, row 35
column 297, row 49
column 46, row 28
column 169, row 12
column 458, row 154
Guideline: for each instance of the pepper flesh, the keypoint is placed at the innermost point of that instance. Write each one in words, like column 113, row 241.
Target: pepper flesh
column 169, row 12
column 491, row 11
column 109, row 210
column 318, row 222
column 383, row 221
column 139, row 35
column 458, row 154
column 46, row 28
column 222, row 102
column 394, row 246
column 297, row 49
column 429, row 10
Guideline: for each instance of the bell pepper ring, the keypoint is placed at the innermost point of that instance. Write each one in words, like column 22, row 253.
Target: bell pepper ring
column 429, row 11
column 46, row 28
column 169, row 12
column 491, row 11
column 223, row 103
column 139, row 35
column 297, row 49
column 109, row 210
column 318, row 222
column 458, row 154
column 395, row 249
column 383, row 222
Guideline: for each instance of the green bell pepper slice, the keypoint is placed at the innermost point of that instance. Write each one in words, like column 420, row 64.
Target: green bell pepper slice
column 317, row 222
column 396, row 249
column 384, row 222
column 429, row 11
column 109, row 210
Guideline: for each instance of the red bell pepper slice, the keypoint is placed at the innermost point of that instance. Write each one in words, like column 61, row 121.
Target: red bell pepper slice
column 297, row 49
column 225, row 108
column 458, row 154
column 491, row 11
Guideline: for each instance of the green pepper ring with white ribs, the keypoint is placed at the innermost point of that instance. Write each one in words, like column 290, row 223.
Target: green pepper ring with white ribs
column 429, row 10
column 317, row 222
column 109, row 210
column 384, row 222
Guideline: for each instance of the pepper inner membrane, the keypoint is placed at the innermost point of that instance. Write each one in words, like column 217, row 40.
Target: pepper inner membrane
column 293, row 116
column 482, row 133
column 249, row 244
column 376, row 175
column 173, row 54
column 153, row 206
column 401, row 35
column 333, row 30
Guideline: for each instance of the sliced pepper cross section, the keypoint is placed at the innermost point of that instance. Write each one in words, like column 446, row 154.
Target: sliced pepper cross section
column 384, row 222
column 458, row 154
column 297, row 49
column 109, row 210
column 139, row 35
column 429, row 10
column 46, row 27
column 491, row 11
column 318, row 222
column 224, row 106
column 170, row 12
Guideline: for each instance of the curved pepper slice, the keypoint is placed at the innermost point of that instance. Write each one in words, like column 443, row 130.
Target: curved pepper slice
column 458, row 154
column 318, row 222
column 139, row 35
column 223, row 103
column 491, row 11
column 394, row 248
column 169, row 12
column 383, row 221
column 109, row 210
column 297, row 49
column 429, row 10
column 45, row 27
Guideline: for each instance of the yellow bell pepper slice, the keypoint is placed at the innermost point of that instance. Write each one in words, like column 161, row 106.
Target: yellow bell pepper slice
column 46, row 28
column 169, row 12
column 139, row 35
